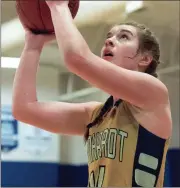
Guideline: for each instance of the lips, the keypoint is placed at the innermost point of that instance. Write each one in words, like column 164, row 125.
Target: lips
column 107, row 53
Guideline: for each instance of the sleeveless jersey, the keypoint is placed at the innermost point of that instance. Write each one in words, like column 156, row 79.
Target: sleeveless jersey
column 122, row 153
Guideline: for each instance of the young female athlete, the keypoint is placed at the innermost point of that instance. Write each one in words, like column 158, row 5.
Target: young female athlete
column 128, row 136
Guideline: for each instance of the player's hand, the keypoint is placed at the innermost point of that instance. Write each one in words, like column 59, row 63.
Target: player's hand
column 33, row 41
column 52, row 3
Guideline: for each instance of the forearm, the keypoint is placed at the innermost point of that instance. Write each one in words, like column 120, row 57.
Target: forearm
column 69, row 39
column 24, row 88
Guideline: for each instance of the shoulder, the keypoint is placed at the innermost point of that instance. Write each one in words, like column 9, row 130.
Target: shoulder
column 158, row 94
column 158, row 120
column 92, row 109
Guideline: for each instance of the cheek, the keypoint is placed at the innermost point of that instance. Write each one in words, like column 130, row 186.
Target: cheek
column 127, row 50
column 127, row 64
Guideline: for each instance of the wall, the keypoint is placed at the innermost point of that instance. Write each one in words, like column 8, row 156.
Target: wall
column 37, row 154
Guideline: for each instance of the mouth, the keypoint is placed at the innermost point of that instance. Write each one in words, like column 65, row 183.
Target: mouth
column 108, row 54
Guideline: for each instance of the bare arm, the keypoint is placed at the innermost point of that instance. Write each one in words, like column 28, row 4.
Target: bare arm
column 57, row 117
column 139, row 89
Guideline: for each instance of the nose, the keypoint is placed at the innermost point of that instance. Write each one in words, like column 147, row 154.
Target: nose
column 109, row 42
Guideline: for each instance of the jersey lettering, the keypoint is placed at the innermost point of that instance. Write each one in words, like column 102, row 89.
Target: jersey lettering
column 105, row 144
column 97, row 181
column 123, row 135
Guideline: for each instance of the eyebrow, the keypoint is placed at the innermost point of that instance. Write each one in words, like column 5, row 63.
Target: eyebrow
column 109, row 34
column 122, row 30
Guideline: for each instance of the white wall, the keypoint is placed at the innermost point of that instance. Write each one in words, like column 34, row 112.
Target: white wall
column 47, row 84
column 49, row 151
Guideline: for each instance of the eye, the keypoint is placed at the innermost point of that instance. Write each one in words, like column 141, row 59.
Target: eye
column 108, row 36
column 123, row 36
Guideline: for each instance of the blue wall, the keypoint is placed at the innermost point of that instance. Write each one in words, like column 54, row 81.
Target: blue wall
column 173, row 168
column 32, row 174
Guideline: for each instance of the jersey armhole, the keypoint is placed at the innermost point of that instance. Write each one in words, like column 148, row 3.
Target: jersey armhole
column 95, row 112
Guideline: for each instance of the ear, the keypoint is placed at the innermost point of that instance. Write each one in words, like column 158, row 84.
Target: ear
column 145, row 59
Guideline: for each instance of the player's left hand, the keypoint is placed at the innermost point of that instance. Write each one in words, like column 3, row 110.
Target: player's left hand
column 52, row 3
column 36, row 42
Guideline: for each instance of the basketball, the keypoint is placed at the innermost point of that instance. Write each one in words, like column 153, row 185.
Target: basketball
column 35, row 15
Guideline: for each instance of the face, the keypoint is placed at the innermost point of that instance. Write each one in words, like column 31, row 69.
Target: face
column 121, row 47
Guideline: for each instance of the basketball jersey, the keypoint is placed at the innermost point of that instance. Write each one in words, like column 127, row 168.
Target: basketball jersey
column 122, row 153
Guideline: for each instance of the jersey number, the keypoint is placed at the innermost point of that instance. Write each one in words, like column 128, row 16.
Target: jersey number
column 97, row 181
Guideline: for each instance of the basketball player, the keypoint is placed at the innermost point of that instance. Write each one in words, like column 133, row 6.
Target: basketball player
column 128, row 136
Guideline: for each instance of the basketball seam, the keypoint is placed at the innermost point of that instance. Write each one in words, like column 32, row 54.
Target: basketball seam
column 25, row 15
column 39, row 7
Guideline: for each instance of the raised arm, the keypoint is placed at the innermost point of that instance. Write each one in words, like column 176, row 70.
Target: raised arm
column 57, row 117
column 140, row 89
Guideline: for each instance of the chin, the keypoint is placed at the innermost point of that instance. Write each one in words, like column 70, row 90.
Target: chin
column 108, row 58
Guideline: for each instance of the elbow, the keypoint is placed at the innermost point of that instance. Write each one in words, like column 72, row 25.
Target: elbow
column 17, row 112
column 18, row 107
